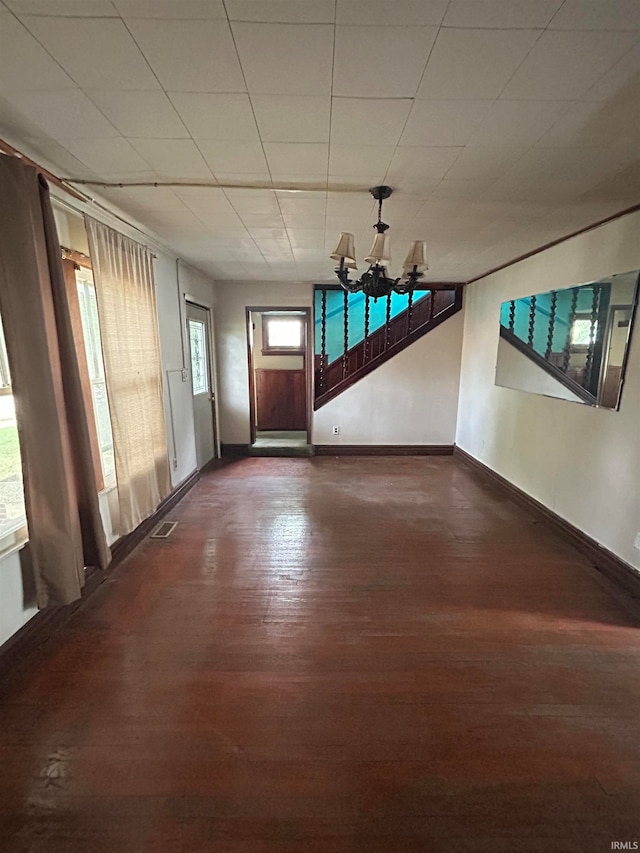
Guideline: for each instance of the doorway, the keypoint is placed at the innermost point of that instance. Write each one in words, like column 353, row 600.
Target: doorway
column 279, row 381
column 198, row 320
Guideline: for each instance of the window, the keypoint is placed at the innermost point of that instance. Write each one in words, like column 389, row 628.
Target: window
column 282, row 334
column 199, row 369
column 95, row 369
column 13, row 523
column 581, row 331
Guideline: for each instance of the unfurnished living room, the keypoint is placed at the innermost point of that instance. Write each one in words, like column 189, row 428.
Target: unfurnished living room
column 319, row 426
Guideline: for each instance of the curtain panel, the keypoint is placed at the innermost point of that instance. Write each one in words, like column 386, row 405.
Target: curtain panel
column 65, row 528
column 125, row 292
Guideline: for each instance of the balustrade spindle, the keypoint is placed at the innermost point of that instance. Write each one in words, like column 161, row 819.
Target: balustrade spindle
column 345, row 357
column 595, row 306
column 512, row 316
column 552, row 323
column 409, row 311
column 323, row 343
column 366, row 329
column 532, row 320
column 432, row 304
column 387, row 328
column 566, row 356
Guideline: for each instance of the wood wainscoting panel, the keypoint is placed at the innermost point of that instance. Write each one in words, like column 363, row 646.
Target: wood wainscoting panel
column 281, row 399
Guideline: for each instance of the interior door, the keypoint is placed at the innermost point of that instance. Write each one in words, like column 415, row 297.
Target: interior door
column 201, row 384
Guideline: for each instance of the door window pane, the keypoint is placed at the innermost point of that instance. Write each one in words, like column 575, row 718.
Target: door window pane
column 199, row 368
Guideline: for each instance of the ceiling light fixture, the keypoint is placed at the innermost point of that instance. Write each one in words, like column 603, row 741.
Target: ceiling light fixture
column 375, row 281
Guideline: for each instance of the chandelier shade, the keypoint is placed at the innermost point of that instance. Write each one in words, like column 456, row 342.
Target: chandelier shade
column 345, row 250
column 375, row 282
column 417, row 257
column 379, row 253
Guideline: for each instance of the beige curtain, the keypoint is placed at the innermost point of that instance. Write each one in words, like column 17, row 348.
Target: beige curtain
column 65, row 528
column 123, row 275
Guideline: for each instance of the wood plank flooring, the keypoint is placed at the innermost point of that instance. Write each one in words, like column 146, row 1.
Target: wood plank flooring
column 333, row 654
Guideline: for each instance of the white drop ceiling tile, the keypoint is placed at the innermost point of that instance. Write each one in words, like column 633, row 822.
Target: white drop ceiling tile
column 291, row 118
column 621, row 82
column 285, row 59
column 181, row 220
column 154, row 199
column 472, row 64
column 235, row 238
column 474, row 190
column 501, row 14
column 368, row 121
column 110, row 158
column 297, row 158
column 271, row 236
column 219, row 220
column 564, row 65
column 381, row 13
column 302, row 204
column 190, row 56
column 24, row 64
column 227, row 157
column 484, row 163
column 282, row 11
column 194, row 9
column 252, row 201
column 303, row 223
column 215, row 116
column 64, row 113
column 96, row 53
column 590, row 124
column 144, row 114
column 202, row 200
column 411, row 162
column 443, row 122
column 260, row 221
column 517, row 123
column 67, row 8
column 173, row 158
column 312, row 238
column 347, row 160
column 396, row 70
column 597, row 15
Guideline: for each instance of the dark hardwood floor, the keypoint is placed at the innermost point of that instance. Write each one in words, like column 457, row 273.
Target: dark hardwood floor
column 351, row 654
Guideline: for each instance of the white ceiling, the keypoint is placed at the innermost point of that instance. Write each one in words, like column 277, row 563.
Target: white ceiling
column 500, row 124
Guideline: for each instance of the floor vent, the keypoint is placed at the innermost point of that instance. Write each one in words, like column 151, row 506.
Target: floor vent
column 164, row 530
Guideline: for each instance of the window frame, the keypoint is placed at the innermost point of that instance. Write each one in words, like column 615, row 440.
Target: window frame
column 295, row 350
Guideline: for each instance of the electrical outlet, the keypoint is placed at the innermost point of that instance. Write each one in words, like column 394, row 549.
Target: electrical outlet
column 336, row 430
column 636, row 543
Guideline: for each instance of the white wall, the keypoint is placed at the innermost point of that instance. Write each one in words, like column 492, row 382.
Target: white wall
column 15, row 611
column 581, row 462
column 411, row 399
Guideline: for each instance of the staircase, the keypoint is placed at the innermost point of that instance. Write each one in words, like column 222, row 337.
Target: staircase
column 558, row 331
column 371, row 331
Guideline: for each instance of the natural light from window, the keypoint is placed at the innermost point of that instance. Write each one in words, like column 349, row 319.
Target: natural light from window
column 284, row 333
column 12, row 512
column 93, row 347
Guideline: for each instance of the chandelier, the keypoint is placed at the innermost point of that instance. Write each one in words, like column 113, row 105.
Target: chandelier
column 375, row 282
